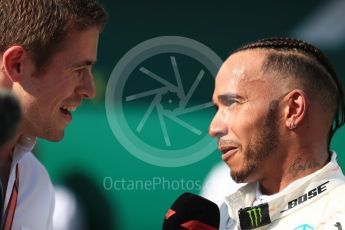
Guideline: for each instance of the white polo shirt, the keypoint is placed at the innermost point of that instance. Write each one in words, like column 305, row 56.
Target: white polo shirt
column 35, row 202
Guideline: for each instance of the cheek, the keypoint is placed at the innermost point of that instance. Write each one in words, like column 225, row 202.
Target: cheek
column 57, row 92
column 34, row 107
column 239, row 117
column 46, row 103
column 247, row 123
column 27, row 101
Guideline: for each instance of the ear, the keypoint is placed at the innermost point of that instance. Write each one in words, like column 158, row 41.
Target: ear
column 296, row 108
column 14, row 59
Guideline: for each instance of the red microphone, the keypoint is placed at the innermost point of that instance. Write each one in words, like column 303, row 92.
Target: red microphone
column 192, row 212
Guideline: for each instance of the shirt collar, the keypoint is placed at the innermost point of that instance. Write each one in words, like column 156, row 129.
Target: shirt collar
column 25, row 144
column 278, row 203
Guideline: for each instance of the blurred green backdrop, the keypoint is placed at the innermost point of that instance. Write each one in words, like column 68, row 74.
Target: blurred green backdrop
column 90, row 158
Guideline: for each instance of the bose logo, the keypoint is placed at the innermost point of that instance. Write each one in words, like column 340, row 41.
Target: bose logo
column 307, row 196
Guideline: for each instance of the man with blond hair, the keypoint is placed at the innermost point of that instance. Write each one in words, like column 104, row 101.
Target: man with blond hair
column 47, row 49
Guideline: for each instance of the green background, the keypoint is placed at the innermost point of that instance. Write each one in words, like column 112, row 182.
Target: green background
column 90, row 152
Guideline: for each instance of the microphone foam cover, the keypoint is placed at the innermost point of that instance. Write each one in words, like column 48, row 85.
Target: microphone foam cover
column 190, row 211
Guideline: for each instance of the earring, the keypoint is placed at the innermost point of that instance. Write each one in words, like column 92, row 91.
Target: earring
column 292, row 125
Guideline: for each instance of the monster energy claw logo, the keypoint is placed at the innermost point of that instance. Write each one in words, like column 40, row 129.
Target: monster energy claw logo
column 255, row 216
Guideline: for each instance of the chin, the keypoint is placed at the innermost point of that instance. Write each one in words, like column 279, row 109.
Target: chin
column 54, row 137
column 241, row 176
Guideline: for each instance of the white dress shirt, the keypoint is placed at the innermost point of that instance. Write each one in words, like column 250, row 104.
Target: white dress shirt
column 35, row 202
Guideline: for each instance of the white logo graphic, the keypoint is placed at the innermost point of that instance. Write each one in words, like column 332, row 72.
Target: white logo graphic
column 158, row 100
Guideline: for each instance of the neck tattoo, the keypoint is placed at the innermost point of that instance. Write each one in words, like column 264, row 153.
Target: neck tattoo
column 299, row 166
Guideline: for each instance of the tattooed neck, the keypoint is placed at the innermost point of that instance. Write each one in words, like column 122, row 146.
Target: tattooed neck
column 300, row 165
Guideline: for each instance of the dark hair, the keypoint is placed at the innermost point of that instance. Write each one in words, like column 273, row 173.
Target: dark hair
column 311, row 67
column 41, row 25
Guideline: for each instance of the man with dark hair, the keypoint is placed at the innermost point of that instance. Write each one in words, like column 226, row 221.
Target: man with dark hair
column 47, row 49
column 279, row 103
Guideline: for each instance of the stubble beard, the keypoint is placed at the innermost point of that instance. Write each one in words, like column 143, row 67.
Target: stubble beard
column 261, row 146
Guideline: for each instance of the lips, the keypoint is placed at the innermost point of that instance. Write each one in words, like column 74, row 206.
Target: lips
column 227, row 151
column 66, row 110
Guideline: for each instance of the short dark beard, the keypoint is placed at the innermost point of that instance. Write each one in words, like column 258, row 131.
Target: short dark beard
column 261, row 146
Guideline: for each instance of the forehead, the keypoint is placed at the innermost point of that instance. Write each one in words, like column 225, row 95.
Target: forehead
column 78, row 46
column 241, row 73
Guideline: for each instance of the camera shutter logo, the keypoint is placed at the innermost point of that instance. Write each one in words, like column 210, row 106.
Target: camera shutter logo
column 158, row 100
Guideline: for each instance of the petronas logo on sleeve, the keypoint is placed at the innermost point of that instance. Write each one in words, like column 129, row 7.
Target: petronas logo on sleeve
column 254, row 217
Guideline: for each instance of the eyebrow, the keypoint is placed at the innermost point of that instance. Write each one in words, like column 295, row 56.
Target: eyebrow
column 224, row 98
column 83, row 63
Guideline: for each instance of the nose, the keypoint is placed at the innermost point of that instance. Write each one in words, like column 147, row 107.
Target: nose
column 87, row 87
column 218, row 126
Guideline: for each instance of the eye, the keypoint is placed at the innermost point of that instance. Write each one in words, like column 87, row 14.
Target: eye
column 79, row 72
column 230, row 102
